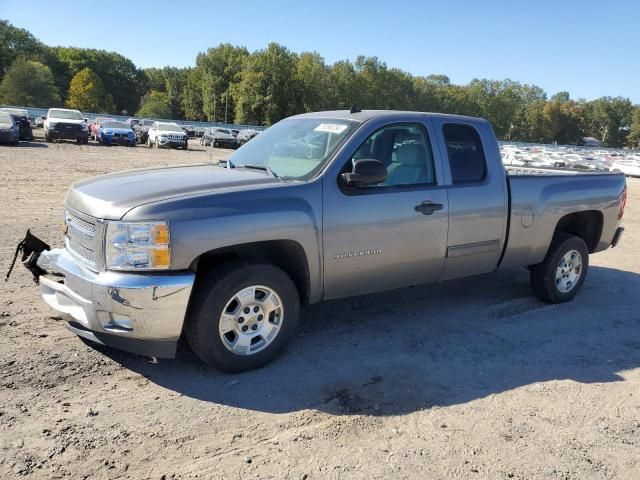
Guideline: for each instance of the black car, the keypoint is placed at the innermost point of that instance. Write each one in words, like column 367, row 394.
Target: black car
column 219, row 137
column 142, row 129
column 245, row 135
column 189, row 130
column 21, row 117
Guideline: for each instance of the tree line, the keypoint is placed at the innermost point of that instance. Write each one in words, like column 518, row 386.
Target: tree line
column 230, row 84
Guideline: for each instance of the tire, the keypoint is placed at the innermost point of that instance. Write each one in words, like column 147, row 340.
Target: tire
column 156, row 144
column 217, row 291
column 148, row 142
column 548, row 281
column 47, row 137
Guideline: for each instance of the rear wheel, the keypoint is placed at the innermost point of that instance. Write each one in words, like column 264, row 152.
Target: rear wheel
column 561, row 274
column 242, row 316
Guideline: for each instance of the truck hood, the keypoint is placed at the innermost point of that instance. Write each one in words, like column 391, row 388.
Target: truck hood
column 65, row 120
column 111, row 196
column 116, row 130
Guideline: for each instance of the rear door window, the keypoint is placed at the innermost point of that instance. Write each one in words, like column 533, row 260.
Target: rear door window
column 465, row 152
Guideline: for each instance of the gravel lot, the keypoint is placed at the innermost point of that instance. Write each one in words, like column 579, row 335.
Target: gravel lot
column 466, row 379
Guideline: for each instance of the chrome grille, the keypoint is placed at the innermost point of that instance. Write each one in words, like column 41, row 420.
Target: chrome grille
column 86, row 253
column 80, row 238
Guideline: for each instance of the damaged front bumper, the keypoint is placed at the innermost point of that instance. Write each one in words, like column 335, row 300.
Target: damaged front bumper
column 130, row 311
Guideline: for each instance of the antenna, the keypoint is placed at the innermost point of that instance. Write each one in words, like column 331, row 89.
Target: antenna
column 354, row 109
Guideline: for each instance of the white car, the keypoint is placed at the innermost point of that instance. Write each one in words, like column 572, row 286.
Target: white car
column 61, row 123
column 166, row 134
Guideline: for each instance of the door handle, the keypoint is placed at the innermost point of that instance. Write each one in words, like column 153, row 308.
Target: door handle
column 428, row 207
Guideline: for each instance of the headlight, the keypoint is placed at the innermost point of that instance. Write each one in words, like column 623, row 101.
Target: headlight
column 137, row 246
column 52, row 125
column 85, row 127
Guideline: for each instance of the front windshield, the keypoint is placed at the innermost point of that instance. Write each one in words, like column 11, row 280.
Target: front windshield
column 66, row 114
column 5, row 119
column 147, row 123
column 168, row 127
column 296, row 147
column 115, row 125
column 222, row 130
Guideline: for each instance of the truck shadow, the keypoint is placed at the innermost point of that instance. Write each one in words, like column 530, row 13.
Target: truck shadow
column 445, row 344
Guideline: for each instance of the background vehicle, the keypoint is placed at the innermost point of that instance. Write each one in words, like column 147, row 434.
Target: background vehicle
column 385, row 200
column 64, row 124
column 164, row 134
column 9, row 129
column 219, row 137
column 245, row 135
column 95, row 126
column 21, row 117
column 132, row 122
column 142, row 129
column 116, row 133
column 189, row 130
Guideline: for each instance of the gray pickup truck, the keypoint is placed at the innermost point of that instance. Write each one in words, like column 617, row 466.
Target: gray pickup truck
column 320, row 206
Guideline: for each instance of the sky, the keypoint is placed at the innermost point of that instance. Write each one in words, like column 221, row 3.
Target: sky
column 588, row 48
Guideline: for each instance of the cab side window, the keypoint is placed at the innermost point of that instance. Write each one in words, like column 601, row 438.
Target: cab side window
column 465, row 152
column 406, row 152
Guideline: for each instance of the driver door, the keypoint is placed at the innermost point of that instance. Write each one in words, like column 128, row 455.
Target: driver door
column 392, row 234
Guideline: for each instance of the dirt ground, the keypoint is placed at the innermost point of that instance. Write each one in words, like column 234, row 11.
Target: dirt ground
column 466, row 379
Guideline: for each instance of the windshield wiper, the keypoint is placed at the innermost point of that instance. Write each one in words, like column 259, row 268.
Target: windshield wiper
column 264, row 168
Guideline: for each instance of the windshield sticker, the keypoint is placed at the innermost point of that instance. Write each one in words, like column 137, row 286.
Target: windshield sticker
column 336, row 128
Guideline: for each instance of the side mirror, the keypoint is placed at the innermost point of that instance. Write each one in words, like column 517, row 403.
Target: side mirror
column 366, row 171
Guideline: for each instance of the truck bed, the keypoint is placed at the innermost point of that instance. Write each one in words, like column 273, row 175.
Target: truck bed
column 539, row 199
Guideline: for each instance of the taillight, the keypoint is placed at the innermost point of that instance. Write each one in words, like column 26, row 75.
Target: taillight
column 623, row 202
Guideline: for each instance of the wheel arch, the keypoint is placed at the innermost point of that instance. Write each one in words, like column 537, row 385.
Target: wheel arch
column 587, row 224
column 287, row 255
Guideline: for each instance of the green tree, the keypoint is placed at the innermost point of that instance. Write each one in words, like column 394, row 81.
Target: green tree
column 608, row 119
column 267, row 87
column 219, row 68
column 192, row 95
column 633, row 140
column 119, row 75
column 155, row 105
column 17, row 42
column 169, row 80
column 30, row 84
column 312, row 77
column 87, row 93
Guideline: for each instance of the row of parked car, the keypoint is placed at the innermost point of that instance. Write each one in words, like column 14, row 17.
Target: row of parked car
column 66, row 124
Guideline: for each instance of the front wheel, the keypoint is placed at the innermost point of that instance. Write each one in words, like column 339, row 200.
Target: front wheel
column 242, row 316
column 561, row 274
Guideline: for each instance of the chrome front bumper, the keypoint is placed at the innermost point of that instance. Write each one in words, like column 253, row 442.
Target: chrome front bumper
column 139, row 313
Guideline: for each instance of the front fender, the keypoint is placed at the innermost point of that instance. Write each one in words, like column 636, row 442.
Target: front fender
column 202, row 223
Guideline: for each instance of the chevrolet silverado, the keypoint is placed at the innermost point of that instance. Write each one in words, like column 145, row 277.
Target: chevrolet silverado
column 319, row 206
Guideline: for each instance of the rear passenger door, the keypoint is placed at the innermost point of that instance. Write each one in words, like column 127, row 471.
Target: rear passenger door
column 478, row 200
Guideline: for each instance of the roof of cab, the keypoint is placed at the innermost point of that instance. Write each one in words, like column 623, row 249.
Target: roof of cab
column 364, row 115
